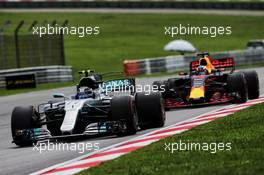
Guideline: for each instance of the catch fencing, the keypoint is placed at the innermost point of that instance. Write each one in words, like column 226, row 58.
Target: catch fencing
column 19, row 47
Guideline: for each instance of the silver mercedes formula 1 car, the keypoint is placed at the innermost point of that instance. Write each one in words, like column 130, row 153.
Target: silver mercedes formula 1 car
column 92, row 111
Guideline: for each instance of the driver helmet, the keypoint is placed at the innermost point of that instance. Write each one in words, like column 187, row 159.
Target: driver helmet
column 201, row 69
column 85, row 92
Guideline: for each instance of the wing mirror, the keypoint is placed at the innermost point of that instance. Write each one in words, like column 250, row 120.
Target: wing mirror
column 59, row 95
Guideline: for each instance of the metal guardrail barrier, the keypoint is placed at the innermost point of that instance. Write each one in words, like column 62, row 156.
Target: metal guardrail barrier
column 181, row 62
column 43, row 74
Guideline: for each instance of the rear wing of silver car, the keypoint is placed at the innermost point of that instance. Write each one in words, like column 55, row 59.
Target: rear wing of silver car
column 118, row 85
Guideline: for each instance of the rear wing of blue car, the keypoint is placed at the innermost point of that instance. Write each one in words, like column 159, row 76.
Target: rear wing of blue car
column 220, row 63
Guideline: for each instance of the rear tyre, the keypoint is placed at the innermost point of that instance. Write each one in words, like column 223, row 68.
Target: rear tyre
column 150, row 110
column 252, row 84
column 237, row 85
column 121, row 107
column 23, row 117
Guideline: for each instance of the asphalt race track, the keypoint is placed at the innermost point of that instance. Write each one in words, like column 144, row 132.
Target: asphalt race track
column 15, row 160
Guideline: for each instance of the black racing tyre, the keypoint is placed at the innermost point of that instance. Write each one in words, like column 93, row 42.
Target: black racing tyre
column 159, row 84
column 23, row 117
column 252, row 84
column 150, row 110
column 162, row 87
column 121, row 107
column 170, row 84
column 237, row 84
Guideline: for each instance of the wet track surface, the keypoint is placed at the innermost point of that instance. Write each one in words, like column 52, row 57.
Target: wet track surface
column 15, row 160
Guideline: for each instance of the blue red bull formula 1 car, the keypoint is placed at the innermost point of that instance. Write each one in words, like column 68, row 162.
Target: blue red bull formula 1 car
column 209, row 83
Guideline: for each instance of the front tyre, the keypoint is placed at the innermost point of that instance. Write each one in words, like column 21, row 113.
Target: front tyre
column 159, row 85
column 23, row 117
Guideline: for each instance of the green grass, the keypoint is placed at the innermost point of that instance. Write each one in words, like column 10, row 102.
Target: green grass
column 244, row 130
column 136, row 36
column 133, row 36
